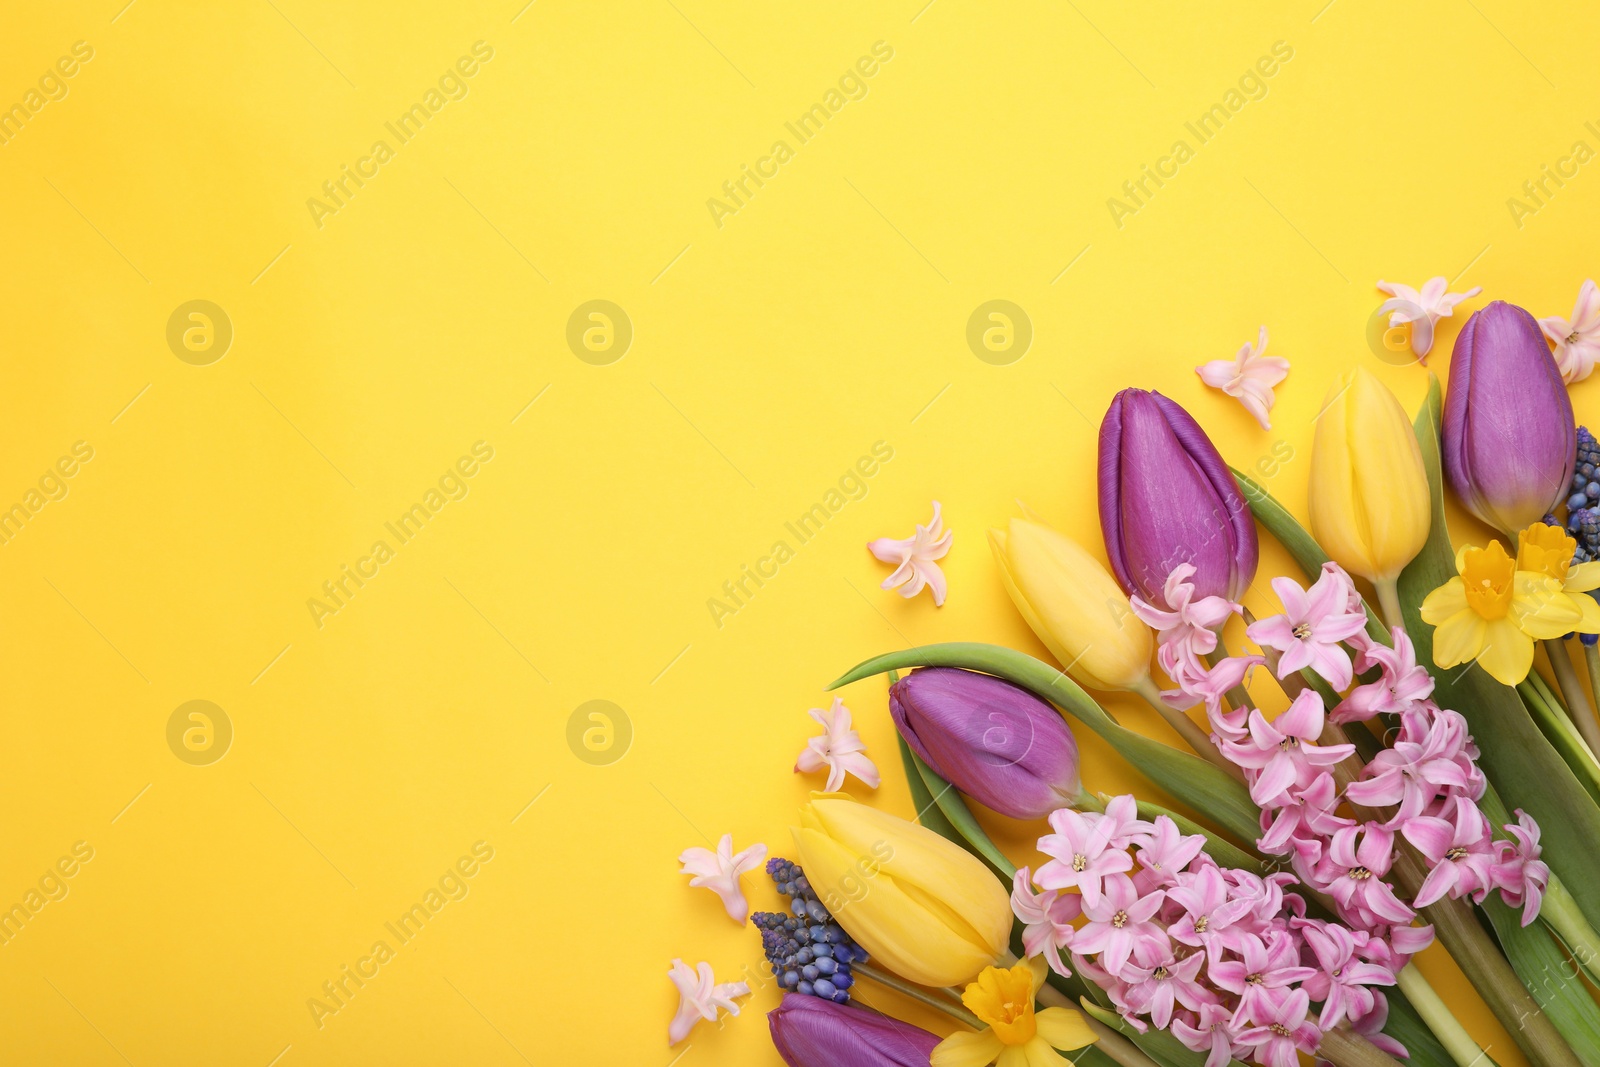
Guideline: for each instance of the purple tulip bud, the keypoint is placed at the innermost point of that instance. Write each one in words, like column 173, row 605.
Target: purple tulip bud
column 1509, row 440
column 997, row 743
column 1166, row 497
column 809, row 1032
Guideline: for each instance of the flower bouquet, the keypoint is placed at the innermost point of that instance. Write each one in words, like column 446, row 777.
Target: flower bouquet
column 1419, row 781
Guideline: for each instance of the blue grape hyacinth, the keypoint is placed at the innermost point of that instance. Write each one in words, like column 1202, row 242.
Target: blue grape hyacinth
column 809, row 952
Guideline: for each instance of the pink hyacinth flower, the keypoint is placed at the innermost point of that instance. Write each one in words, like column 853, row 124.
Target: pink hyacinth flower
column 1430, row 756
column 1342, row 980
column 1186, row 627
column 1263, row 972
column 914, row 558
column 1157, row 990
column 1211, row 1031
column 1352, row 873
column 1082, row 854
column 1302, row 814
column 1401, row 684
column 1577, row 339
column 1249, row 377
column 1208, row 913
column 838, row 748
column 1047, row 920
column 1460, row 850
column 1284, row 753
column 1282, row 1029
column 1166, row 853
column 1518, row 871
column 1212, row 688
column 1120, row 926
column 1313, row 623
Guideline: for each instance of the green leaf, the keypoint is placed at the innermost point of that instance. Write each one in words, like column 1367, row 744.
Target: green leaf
column 1550, row 976
column 958, row 815
column 1528, row 772
column 1203, row 787
column 928, row 813
column 1563, row 737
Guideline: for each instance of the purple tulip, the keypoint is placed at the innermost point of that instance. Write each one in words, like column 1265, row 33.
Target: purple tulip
column 817, row 1033
column 1166, row 497
column 1509, row 439
column 997, row 743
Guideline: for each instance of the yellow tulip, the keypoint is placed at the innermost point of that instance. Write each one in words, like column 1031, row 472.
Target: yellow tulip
column 1369, row 491
column 1074, row 606
column 925, row 908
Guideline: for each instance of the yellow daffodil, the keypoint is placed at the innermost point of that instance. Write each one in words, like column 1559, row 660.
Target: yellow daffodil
column 1017, row 1035
column 1493, row 612
column 1546, row 549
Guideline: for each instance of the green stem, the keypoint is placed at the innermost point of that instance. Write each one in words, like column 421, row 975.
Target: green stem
column 1389, row 599
column 1187, row 729
column 915, row 992
column 1346, row 1048
column 1561, row 913
column 1440, row 1019
column 1578, row 705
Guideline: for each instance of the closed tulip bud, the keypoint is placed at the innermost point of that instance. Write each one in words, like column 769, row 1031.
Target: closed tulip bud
column 997, row 743
column 1073, row 605
column 809, row 1032
column 1508, row 437
column 1166, row 497
column 1369, row 492
column 925, row 908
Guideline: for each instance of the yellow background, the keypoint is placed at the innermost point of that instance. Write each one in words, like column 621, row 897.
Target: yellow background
column 768, row 354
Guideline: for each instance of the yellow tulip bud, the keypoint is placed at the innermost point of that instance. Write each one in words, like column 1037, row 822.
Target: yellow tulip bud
column 1074, row 605
column 925, row 908
column 1369, row 491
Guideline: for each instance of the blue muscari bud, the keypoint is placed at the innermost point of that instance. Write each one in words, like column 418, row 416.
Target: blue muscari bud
column 810, row 953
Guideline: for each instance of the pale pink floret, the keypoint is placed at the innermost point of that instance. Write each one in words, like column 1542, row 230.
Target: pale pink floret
column 1047, row 920
column 1353, row 874
column 1166, row 853
column 1283, row 754
column 1120, row 926
column 700, row 997
column 1577, row 339
column 1423, row 310
column 1209, row 914
column 1266, row 967
column 1460, row 848
column 1302, row 815
column 838, row 748
column 1313, row 624
column 1082, row 854
column 1211, row 1031
column 1402, row 683
column 1430, row 757
column 1185, row 626
column 1281, row 1029
column 719, row 872
column 1249, row 376
column 914, row 558
column 1342, row 981
column 1158, row 989
column 1212, row 688
column 1518, row 871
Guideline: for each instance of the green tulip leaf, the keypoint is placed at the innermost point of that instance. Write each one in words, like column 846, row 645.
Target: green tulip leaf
column 958, row 815
column 928, row 813
column 1554, row 980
